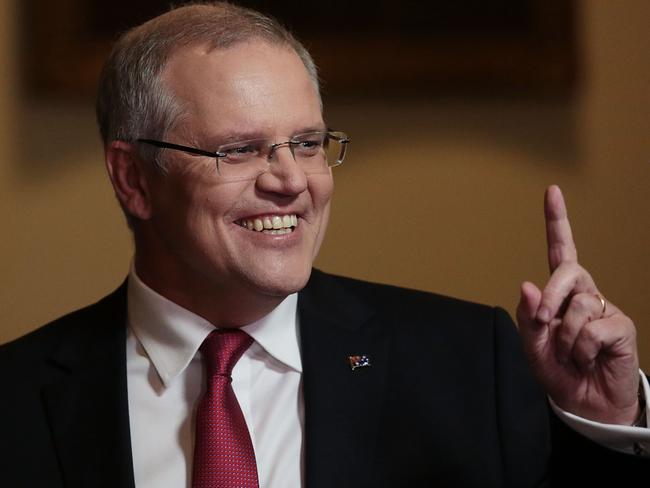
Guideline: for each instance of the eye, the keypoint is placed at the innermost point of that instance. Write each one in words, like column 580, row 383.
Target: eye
column 243, row 151
column 311, row 144
column 308, row 144
column 247, row 149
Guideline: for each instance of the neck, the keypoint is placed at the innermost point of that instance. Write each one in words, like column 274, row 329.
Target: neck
column 223, row 306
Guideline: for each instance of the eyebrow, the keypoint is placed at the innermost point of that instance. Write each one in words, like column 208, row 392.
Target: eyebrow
column 217, row 140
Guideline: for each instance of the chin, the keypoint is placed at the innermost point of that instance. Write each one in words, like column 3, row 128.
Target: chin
column 282, row 282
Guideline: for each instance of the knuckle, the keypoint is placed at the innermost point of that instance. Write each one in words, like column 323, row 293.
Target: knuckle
column 626, row 325
column 586, row 347
column 627, row 321
column 565, row 336
column 589, row 334
column 585, row 305
column 582, row 302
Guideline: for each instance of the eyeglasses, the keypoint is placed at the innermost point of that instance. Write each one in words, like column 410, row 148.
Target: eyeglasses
column 313, row 151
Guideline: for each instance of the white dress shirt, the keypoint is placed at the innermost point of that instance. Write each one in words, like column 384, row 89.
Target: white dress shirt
column 623, row 438
column 165, row 380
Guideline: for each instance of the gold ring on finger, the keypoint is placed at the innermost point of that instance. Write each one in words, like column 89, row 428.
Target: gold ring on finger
column 603, row 303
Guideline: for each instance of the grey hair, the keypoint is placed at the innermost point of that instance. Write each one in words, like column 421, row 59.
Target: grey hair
column 133, row 101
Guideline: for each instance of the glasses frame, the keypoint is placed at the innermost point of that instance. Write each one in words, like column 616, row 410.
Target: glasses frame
column 338, row 136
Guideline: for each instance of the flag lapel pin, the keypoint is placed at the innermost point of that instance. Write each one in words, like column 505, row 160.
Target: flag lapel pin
column 360, row 361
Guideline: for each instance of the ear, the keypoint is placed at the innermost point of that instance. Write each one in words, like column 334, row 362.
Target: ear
column 129, row 177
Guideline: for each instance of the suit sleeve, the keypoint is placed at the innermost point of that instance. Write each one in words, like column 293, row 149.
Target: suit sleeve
column 522, row 414
column 579, row 461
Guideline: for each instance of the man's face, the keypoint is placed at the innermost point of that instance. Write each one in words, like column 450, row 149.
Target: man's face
column 251, row 90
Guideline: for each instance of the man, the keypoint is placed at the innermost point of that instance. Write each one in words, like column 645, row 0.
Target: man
column 216, row 148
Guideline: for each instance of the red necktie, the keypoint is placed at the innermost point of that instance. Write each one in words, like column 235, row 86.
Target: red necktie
column 223, row 451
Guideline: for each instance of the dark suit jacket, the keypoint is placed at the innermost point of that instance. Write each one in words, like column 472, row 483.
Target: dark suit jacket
column 447, row 401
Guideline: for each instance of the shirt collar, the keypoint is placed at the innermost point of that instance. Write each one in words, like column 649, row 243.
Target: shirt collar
column 171, row 335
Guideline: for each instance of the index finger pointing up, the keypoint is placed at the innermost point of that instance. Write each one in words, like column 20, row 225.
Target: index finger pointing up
column 559, row 239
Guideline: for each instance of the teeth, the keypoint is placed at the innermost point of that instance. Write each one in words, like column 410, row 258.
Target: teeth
column 272, row 224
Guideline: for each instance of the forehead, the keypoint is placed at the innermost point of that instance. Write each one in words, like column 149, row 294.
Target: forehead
column 251, row 86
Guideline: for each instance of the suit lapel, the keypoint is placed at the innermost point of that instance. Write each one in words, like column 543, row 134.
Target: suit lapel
column 87, row 407
column 342, row 407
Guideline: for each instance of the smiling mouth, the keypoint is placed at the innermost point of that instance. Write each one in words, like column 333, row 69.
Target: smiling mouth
column 271, row 224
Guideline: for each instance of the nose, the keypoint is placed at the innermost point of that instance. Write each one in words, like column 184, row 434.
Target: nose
column 284, row 176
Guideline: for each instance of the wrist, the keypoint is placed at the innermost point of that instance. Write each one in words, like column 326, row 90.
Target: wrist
column 641, row 420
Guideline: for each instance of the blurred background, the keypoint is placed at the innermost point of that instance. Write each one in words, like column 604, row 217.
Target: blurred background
column 460, row 116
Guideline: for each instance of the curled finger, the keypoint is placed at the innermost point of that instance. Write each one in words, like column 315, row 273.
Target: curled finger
column 582, row 308
column 608, row 336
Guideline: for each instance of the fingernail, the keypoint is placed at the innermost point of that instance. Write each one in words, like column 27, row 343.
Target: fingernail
column 544, row 315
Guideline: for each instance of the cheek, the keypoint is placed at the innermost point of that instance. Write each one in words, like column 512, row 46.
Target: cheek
column 321, row 188
column 202, row 201
column 187, row 214
column 323, row 228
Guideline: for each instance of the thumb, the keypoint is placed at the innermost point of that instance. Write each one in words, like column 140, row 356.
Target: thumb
column 529, row 301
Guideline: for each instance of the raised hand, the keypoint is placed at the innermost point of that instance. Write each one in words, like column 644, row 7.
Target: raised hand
column 581, row 348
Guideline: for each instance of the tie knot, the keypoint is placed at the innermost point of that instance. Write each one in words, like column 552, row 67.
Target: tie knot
column 223, row 348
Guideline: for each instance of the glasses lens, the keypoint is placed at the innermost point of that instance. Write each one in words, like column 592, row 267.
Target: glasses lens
column 337, row 143
column 242, row 160
column 318, row 150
